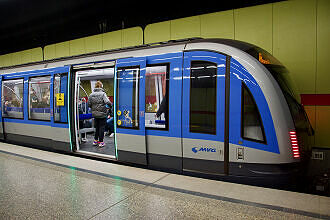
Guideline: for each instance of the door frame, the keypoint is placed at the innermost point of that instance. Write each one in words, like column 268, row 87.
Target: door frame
column 73, row 111
column 131, row 142
column 218, row 166
column 227, row 113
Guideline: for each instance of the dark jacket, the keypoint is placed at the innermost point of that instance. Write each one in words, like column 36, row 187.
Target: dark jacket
column 162, row 108
column 97, row 101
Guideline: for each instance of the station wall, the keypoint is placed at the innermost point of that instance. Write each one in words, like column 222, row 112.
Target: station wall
column 26, row 56
column 107, row 41
column 296, row 32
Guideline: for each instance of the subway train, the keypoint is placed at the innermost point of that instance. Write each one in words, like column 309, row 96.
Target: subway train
column 216, row 107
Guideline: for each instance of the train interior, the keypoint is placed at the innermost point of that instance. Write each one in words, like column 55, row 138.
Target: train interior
column 86, row 80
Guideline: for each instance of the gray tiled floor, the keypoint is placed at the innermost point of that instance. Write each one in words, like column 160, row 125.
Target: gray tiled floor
column 31, row 189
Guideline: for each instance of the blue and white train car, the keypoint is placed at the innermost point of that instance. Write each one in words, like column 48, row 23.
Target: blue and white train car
column 216, row 106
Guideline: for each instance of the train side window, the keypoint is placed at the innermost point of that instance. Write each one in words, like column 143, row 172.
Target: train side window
column 128, row 97
column 12, row 98
column 203, row 93
column 60, row 98
column 156, row 92
column 252, row 127
column 39, row 98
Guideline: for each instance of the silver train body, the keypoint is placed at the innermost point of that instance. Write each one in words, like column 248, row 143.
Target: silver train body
column 227, row 115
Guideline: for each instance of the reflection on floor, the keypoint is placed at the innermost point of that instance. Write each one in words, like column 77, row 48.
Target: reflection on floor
column 108, row 149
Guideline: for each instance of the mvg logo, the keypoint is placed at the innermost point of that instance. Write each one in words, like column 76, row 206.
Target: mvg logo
column 204, row 149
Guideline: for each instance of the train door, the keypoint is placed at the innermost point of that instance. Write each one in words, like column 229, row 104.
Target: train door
column 130, row 110
column 85, row 127
column 203, row 112
column 1, row 121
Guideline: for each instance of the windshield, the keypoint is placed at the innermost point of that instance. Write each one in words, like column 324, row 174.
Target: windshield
column 282, row 76
column 298, row 113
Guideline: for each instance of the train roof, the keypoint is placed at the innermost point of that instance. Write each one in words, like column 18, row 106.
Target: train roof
column 230, row 42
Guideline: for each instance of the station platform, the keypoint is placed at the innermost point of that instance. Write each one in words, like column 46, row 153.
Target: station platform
column 37, row 184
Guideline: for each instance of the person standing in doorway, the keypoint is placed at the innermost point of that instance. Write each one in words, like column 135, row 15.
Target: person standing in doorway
column 98, row 101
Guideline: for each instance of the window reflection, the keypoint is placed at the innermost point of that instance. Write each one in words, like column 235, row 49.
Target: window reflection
column 156, row 99
column 128, row 97
column 39, row 98
column 203, row 81
column 60, row 86
column 12, row 98
column 251, row 121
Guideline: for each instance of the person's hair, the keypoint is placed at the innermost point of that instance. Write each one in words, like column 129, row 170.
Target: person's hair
column 98, row 84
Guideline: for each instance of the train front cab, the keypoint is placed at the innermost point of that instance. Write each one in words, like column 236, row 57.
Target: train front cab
column 237, row 137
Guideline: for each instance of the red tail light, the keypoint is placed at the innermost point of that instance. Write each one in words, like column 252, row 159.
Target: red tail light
column 294, row 144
